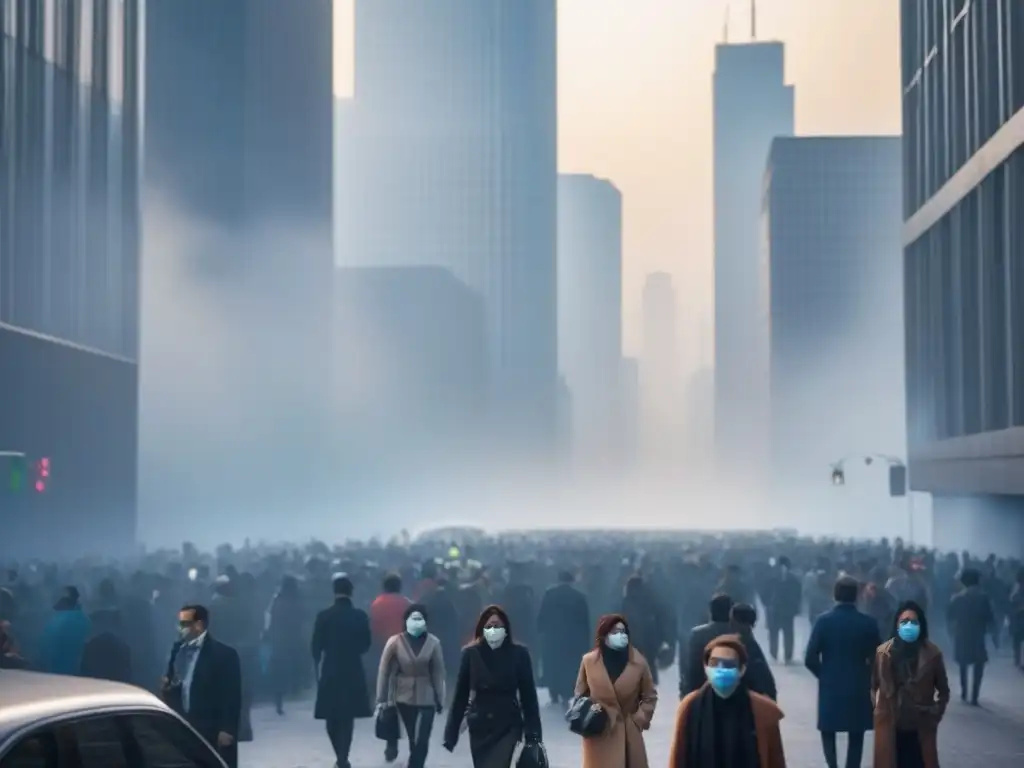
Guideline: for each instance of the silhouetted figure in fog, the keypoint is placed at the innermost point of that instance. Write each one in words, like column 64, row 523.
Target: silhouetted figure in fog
column 64, row 635
column 284, row 638
column 646, row 620
column 759, row 676
column 782, row 604
column 970, row 618
column 564, row 627
column 106, row 655
column 341, row 635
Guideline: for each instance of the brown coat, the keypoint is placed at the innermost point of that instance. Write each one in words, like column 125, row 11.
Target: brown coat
column 767, row 716
column 930, row 691
column 629, row 702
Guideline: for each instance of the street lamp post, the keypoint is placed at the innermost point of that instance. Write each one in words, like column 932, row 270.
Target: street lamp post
column 897, row 480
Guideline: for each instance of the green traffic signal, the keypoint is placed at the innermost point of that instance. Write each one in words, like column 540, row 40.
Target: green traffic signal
column 18, row 471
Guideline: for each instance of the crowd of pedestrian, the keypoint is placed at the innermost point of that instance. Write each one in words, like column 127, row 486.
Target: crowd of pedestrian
column 472, row 625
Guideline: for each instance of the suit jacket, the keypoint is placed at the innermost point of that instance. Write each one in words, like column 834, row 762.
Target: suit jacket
column 215, row 698
column 759, row 677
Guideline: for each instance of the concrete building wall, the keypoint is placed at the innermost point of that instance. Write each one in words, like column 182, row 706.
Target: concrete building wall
column 963, row 137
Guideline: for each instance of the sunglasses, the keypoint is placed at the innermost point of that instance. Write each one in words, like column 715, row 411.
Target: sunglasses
column 716, row 663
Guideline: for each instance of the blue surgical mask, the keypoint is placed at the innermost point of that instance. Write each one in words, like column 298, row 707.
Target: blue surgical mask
column 617, row 641
column 724, row 680
column 415, row 625
column 909, row 631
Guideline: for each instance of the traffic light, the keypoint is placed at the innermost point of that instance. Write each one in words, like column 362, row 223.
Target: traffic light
column 42, row 475
column 17, row 475
column 897, row 480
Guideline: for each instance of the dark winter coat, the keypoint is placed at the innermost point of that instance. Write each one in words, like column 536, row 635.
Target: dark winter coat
column 341, row 635
column 840, row 653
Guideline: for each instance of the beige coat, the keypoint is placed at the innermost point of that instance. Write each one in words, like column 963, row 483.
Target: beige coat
column 408, row 678
column 630, row 705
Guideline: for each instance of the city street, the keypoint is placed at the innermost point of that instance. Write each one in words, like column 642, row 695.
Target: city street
column 988, row 737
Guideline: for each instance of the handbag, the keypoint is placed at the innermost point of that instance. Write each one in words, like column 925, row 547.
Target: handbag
column 533, row 755
column 386, row 726
column 585, row 718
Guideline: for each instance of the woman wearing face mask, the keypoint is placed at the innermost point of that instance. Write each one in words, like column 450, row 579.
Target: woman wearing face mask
column 411, row 677
column 618, row 679
column 495, row 693
column 910, row 690
column 723, row 724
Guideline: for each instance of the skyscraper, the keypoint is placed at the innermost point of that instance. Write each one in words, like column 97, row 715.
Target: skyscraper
column 831, row 303
column 239, row 165
column 240, row 112
column 658, row 367
column 752, row 105
column 451, row 161
column 590, row 309
column 963, row 172
column 410, row 376
column 69, row 270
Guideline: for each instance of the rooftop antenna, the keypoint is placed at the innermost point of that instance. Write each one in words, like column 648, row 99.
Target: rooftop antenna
column 753, row 19
column 725, row 26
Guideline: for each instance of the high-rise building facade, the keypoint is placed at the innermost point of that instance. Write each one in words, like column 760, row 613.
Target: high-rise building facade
column 659, row 385
column 752, row 105
column 410, row 377
column 451, row 160
column 831, row 303
column 70, row 116
column 239, row 190
column 963, row 171
column 590, row 309
column 69, row 255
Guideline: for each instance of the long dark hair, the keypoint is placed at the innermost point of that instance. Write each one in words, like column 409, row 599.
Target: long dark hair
column 605, row 625
column 485, row 615
column 910, row 605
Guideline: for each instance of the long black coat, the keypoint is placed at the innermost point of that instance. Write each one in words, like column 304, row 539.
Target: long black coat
column 564, row 626
column 970, row 618
column 840, row 653
column 341, row 635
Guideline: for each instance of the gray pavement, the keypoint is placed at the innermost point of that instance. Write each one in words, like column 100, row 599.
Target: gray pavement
column 988, row 737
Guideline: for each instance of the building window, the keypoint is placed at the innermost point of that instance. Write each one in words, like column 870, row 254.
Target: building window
column 1015, row 246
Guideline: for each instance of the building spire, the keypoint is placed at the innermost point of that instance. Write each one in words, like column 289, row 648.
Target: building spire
column 753, row 19
column 725, row 25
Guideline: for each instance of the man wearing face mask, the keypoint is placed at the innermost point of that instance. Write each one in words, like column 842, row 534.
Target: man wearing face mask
column 412, row 678
column 203, row 683
column 723, row 724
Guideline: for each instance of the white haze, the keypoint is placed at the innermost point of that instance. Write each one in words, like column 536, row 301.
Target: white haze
column 239, row 424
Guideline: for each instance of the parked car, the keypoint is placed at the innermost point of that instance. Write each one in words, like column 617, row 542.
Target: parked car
column 52, row 721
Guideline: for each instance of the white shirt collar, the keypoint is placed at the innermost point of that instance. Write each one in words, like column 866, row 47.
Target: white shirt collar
column 198, row 642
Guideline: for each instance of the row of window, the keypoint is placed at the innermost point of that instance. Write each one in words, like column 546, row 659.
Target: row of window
column 87, row 38
column 963, row 76
column 69, row 230
column 964, row 310
column 112, row 741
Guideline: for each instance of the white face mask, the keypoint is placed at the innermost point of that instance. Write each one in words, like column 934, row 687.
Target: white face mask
column 494, row 636
column 617, row 641
column 415, row 625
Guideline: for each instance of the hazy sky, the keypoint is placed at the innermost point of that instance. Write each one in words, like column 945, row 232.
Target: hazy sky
column 635, row 107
